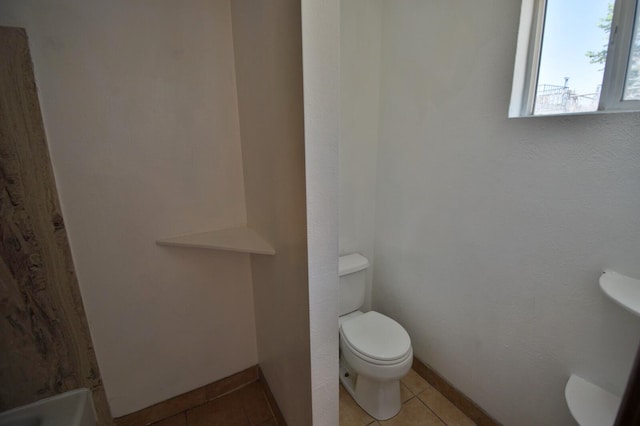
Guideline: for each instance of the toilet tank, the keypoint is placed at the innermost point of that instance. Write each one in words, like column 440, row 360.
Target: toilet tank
column 352, row 269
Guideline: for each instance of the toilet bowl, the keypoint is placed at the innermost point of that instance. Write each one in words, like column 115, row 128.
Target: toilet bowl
column 375, row 351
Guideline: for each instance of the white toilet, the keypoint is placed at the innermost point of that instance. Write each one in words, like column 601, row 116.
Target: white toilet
column 375, row 351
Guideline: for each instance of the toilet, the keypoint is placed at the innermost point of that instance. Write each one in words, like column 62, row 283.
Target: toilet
column 375, row 351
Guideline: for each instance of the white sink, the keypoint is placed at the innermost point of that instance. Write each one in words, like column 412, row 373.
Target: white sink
column 73, row 408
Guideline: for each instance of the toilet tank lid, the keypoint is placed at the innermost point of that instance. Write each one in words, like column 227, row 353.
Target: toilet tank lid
column 351, row 263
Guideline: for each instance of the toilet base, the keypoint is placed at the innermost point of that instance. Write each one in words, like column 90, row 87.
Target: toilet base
column 380, row 399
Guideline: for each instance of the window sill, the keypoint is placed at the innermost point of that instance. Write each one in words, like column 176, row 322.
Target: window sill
column 579, row 114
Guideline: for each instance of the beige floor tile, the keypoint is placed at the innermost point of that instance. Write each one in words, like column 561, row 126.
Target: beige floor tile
column 405, row 393
column 444, row 408
column 177, row 420
column 350, row 412
column 270, row 422
column 414, row 382
column 255, row 403
column 414, row 413
column 224, row 411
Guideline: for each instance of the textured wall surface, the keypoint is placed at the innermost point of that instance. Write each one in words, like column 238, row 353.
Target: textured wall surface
column 492, row 232
column 45, row 347
column 321, row 58
column 359, row 117
column 268, row 58
column 140, row 108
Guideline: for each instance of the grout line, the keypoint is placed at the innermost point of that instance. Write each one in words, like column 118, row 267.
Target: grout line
column 207, row 401
column 264, row 394
column 275, row 409
column 413, row 395
column 186, row 418
column 246, row 416
column 467, row 406
column 433, row 411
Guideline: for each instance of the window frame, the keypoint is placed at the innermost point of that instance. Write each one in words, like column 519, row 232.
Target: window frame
column 529, row 49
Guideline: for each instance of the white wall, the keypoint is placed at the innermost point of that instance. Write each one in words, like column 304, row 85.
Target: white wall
column 492, row 232
column 360, row 31
column 321, row 63
column 140, row 109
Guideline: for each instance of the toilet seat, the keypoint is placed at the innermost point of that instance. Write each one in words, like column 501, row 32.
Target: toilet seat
column 376, row 338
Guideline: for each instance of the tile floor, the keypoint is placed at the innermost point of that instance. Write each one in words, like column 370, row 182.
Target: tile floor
column 247, row 406
column 421, row 405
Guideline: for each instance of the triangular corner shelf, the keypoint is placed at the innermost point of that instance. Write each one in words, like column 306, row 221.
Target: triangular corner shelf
column 622, row 289
column 241, row 239
column 589, row 404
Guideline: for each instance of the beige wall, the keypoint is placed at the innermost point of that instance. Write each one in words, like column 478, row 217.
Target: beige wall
column 140, row 109
column 491, row 233
column 268, row 53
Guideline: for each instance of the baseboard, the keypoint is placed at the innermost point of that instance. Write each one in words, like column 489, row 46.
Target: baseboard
column 460, row 400
column 272, row 401
column 216, row 389
column 191, row 399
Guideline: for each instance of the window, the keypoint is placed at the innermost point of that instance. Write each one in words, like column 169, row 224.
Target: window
column 577, row 56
